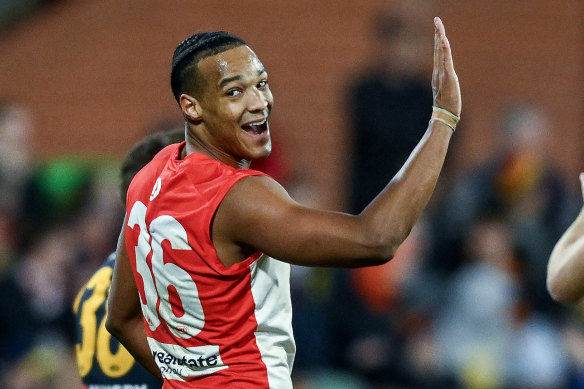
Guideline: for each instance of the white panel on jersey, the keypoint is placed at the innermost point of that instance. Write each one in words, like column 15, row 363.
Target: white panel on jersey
column 271, row 292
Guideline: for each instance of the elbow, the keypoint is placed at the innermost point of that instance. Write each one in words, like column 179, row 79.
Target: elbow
column 111, row 326
column 383, row 237
column 376, row 260
column 386, row 251
column 114, row 326
column 383, row 247
column 553, row 290
column 560, row 292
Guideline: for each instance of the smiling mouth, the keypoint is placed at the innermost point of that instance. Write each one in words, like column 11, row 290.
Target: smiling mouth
column 256, row 128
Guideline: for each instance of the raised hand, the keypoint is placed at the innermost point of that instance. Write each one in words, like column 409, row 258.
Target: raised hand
column 445, row 85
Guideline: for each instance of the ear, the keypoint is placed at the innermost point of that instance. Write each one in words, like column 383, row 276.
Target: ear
column 190, row 107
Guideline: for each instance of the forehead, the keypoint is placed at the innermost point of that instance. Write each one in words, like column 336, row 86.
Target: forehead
column 240, row 61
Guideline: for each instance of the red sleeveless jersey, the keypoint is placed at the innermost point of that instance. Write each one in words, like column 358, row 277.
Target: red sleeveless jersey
column 208, row 326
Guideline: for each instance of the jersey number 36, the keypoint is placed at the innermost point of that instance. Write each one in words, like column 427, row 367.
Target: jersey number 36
column 163, row 278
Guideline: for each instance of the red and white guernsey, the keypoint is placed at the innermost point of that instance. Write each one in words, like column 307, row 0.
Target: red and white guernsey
column 208, row 326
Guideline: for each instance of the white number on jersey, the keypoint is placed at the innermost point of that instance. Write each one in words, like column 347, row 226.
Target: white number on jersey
column 157, row 282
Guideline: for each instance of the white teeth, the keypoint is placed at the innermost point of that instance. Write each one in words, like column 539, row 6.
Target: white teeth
column 256, row 127
column 258, row 123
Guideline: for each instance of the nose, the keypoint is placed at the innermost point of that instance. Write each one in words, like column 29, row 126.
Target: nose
column 257, row 101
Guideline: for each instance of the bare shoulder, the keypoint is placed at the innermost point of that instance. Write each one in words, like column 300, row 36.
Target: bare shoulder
column 254, row 200
column 256, row 190
column 246, row 220
column 257, row 214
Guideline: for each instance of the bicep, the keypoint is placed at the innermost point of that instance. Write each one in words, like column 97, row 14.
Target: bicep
column 565, row 273
column 259, row 213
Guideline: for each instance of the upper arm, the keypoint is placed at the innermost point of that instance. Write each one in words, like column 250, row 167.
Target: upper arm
column 565, row 279
column 565, row 272
column 258, row 212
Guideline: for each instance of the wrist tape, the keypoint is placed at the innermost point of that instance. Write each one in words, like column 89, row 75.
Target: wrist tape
column 444, row 116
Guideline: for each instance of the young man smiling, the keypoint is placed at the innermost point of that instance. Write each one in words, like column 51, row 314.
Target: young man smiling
column 202, row 229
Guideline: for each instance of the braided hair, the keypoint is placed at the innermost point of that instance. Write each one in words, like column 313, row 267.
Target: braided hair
column 184, row 72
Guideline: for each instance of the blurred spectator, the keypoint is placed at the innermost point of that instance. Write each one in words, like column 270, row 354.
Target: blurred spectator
column 519, row 182
column 392, row 326
column 35, row 322
column 101, row 360
column 537, row 357
column 15, row 154
column 473, row 326
column 55, row 192
column 489, row 334
column 380, row 320
column 15, row 161
column 391, row 100
column 51, row 215
column 573, row 339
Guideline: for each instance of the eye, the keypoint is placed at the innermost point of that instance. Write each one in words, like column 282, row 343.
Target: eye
column 262, row 84
column 233, row 92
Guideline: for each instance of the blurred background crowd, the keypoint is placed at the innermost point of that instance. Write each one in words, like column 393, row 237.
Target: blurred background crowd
column 462, row 305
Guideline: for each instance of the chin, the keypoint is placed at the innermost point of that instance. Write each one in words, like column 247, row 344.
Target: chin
column 264, row 151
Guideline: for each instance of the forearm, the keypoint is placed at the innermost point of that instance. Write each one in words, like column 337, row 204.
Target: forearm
column 124, row 318
column 391, row 216
column 132, row 336
column 393, row 213
column 565, row 273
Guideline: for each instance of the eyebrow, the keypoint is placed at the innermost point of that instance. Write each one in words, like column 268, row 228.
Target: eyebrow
column 227, row 80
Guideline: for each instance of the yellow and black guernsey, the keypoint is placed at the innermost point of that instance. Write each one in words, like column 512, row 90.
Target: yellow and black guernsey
column 103, row 363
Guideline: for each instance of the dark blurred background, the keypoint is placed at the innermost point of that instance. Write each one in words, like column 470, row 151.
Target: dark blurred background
column 464, row 303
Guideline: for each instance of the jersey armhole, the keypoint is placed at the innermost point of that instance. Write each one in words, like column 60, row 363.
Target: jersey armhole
column 244, row 263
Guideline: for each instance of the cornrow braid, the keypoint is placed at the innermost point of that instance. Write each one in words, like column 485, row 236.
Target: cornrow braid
column 195, row 48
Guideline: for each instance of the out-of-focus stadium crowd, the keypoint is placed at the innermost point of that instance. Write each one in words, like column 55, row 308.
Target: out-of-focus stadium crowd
column 462, row 305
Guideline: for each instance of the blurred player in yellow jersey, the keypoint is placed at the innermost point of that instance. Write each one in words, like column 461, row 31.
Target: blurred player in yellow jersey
column 101, row 360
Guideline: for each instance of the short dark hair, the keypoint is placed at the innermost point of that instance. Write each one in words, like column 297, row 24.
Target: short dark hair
column 142, row 153
column 183, row 75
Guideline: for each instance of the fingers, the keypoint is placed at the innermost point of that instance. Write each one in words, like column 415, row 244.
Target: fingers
column 436, row 48
column 445, row 54
column 438, row 71
column 445, row 86
column 439, row 27
column 436, row 68
column 438, row 44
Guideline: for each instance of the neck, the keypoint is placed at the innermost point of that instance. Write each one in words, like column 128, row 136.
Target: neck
column 195, row 144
